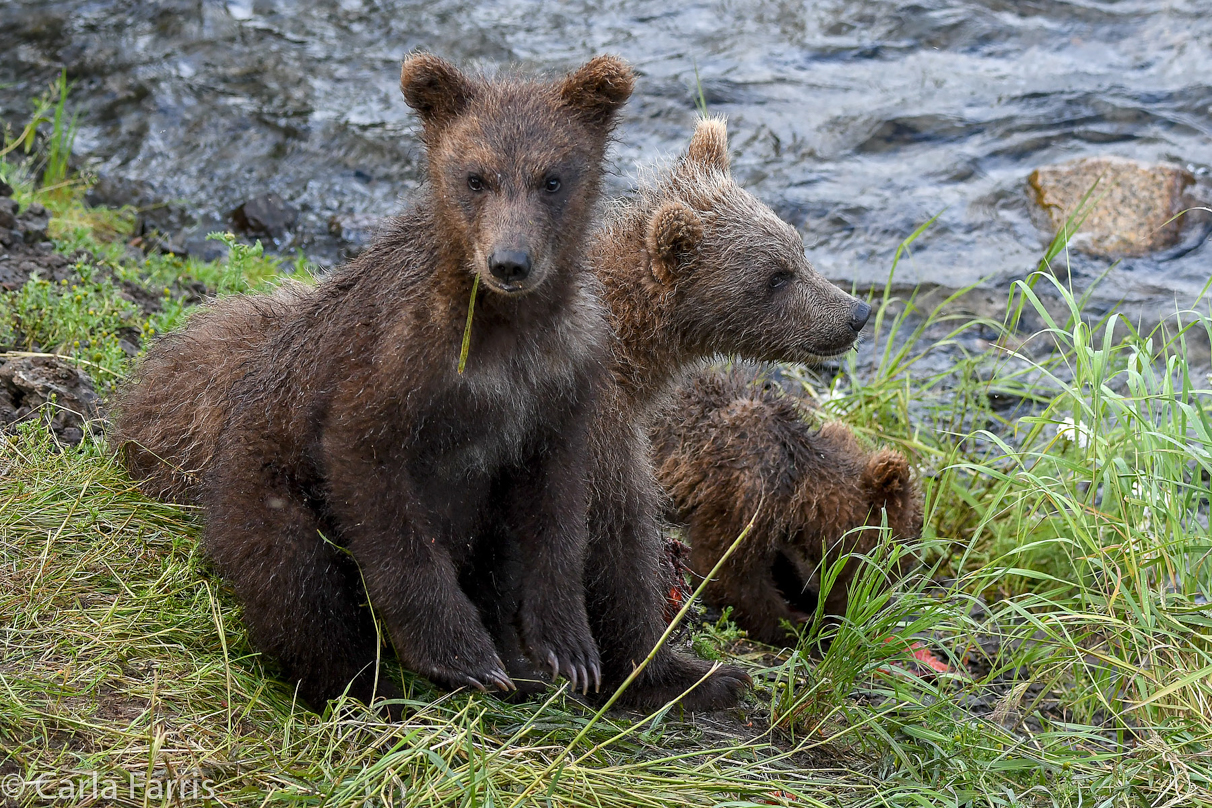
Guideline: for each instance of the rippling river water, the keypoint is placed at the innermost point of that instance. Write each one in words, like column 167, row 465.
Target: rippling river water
column 856, row 119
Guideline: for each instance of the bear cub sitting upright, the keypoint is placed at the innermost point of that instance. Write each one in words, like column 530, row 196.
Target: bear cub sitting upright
column 730, row 446
column 358, row 461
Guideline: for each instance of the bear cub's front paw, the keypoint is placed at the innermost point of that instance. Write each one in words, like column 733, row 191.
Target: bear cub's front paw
column 561, row 642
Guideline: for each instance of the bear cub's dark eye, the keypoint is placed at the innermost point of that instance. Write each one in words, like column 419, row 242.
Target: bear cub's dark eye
column 475, row 182
column 552, row 185
column 779, row 279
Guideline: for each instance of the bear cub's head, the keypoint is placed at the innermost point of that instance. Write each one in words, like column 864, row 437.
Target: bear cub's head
column 841, row 504
column 737, row 273
column 515, row 164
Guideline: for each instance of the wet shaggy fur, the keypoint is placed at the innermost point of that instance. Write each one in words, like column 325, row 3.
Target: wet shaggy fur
column 730, row 446
column 353, row 460
column 172, row 412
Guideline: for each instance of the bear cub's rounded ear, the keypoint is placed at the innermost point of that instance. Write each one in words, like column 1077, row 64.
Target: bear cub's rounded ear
column 599, row 88
column 674, row 235
column 435, row 89
column 886, row 476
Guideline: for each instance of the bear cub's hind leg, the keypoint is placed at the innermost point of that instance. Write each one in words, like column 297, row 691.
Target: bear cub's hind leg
column 302, row 597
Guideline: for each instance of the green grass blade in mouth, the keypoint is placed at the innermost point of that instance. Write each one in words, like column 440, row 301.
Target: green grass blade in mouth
column 471, row 307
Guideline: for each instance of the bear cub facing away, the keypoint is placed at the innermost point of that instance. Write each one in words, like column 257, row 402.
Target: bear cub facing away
column 729, row 441
column 357, row 461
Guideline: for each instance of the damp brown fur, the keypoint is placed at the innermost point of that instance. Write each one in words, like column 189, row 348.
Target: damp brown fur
column 350, row 452
column 172, row 411
column 730, row 449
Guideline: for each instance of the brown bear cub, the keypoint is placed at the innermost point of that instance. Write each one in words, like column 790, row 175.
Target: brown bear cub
column 692, row 266
column 730, row 448
column 357, row 462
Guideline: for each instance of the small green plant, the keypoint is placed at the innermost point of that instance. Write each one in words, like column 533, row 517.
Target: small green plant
column 247, row 268
column 85, row 317
column 717, row 640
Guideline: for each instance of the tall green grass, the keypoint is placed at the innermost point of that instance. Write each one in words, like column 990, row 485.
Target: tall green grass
column 51, row 161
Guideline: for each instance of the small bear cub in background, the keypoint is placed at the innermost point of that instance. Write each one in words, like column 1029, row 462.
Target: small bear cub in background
column 730, row 442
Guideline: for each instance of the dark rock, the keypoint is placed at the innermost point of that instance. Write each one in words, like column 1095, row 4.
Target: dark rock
column 159, row 226
column 17, row 268
column 205, row 249
column 129, row 335
column 70, row 435
column 5, row 189
column 194, row 292
column 114, row 192
column 156, row 243
column 34, row 221
column 49, row 387
column 155, row 225
column 149, row 302
column 265, row 215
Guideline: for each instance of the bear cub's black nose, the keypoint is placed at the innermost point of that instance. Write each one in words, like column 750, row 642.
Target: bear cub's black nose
column 509, row 266
column 858, row 316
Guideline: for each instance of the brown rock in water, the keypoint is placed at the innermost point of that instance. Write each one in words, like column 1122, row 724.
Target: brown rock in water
column 1135, row 203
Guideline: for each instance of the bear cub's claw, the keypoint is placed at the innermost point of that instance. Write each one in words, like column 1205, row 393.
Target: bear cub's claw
column 490, row 672
column 568, row 651
column 577, row 675
column 580, row 667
